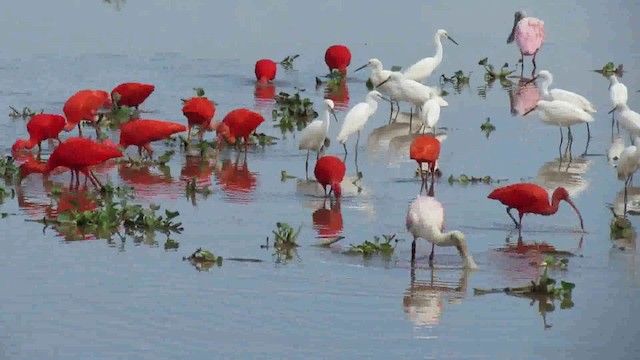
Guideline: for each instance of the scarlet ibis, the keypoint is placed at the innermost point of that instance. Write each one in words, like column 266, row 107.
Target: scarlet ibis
column 77, row 154
column 330, row 171
column 84, row 105
column 241, row 123
column 425, row 219
column 357, row 117
column 265, row 70
column 41, row 127
column 421, row 70
column 425, row 149
column 141, row 132
column 199, row 111
column 528, row 32
column 132, row 94
column 338, row 57
column 313, row 136
column 532, row 199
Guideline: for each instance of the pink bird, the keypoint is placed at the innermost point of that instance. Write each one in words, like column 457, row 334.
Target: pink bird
column 528, row 32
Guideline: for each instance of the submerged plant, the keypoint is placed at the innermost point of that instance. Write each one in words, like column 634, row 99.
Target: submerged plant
column 491, row 73
column 610, row 69
column 487, row 127
column 287, row 63
column 26, row 113
column 8, row 168
column 285, row 236
column 284, row 176
column 203, row 260
column 262, row 139
column 464, row 179
column 369, row 248
column 192, row 189
column 292, row 112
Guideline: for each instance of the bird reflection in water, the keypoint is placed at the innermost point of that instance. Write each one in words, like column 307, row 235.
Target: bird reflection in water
column 523, row 97
column 328, row 222
column 423, row 302
column 633, row 202
column 564, row 172
column 339, row 94
column 235, row 179
column 149, row 182
column 264, row 95
column 380, row 138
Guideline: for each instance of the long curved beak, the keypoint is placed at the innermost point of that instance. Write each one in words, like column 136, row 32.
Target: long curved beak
column 382, row 83
column 334, row 115
column 513, row 32
column 530, row 81
column 527, row 113
column 577, row 212
column 361, row 67
column 453, row 41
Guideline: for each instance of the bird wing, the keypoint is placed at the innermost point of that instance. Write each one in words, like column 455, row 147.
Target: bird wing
column 353, row 121
column 420, row 70
column 559, row 109
column 628, row 163
column 619, row 94
column 616, row 148
column 630, row 121
column 529, row 35
column 573, row 98
column 430, row 113
column 312, row 137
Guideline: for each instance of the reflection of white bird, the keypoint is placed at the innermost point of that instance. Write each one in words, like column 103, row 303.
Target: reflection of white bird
column 632, row 202
column 564, row 95
column 564, row 173
column 425, row 219
column 421, row 70
column 628, row 165
column 615, row 149
column 357, row 117
column 562, row 114
column 312, row 137
column 628, row 119
column 430, row 114
column 379, row 138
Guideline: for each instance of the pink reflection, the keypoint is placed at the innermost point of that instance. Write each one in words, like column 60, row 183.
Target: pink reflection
column 521, row 260
column 264, row 94
column 339, row 95
column 328, row 222
column 198, row 168
column 236, row 180
column 523, row 97
column 149, row 182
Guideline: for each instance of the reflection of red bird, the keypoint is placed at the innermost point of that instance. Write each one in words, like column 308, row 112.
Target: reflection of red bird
column 339, row 95
column 265, row 70
column 264, row 93
column 241, row 123
column 236, row 179
column 197, row 167
column 330, row 171
column 425, row 149
column 41, row 127
column 328, row 222
column 76, row 154
column 199, row 111
column 132, row 94
column 141, row 176
column 142, row 132
column 531, row 199
column 84, row 105
column 338, row 57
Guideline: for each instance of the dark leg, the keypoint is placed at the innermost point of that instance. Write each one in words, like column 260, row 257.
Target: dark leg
column 345, row 149
column 413, row 251
column 534, row 61
column 80, row 129
column 95, row 178
column 588, row 131
column 433, row 246
column 410, row 119
column 306, row 166
column 625, row 197
column 357, row 141
column 512, row 218
column 397, row 110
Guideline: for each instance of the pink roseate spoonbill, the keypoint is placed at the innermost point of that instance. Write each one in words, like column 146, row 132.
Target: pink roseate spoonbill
column 628, row 164
column 619, row 96
column 528, row 32
column 265, row 70
column 141, row 132
column 564, row 95
column 523, row 97
column 530, row 198
column 357, row 117
column 421, row 70
column 425, row 219
column 338, row 57
column 41, row 127
column 131, row 94
column 329, row 171
column 313, row 136
column 77, row 154
column 425, row 149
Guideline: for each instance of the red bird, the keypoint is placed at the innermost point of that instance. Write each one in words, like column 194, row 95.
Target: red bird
column 84, row 105
column 132, row 94
column 239, row 123
column 330, row 170
column 142, row 132
column 41, row 127
column 338, row 57
column 199, row 111
column 265, row 70
column 531, row 199
column 76, row 154
column 425, row 149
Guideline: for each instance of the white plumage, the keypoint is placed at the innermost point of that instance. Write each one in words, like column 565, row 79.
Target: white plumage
column 357, row 117
column 627, row 166
column 617, row 92
column 430, row 114
column 425, row 219
column 629, row 120
column 564, row 95
column 561, row 113
column 312, row 137
column 615, row 150
column 411, row 91
column 421, row 70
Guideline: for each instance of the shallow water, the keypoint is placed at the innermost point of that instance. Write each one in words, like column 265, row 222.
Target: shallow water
column 100, row 299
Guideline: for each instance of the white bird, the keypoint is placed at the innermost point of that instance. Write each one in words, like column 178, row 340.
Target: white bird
column 312, row 137
column 562, row 114
column 357, row 117
column 628, row 119
column 615, row 149
column 425, row 219
column 421, row 70
column 430, row 114
column 618, row 94
column 564, row 95
column 379, row 75
column 628, row 165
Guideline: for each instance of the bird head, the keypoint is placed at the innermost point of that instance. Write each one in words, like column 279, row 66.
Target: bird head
column 337, row 189
column 223, row 130
column 394, row 76
column 544, row 75
column 330, row 105
column 519, row 15
column 562, row 194
column 376, row 95
column 30, row 167
column 21, row 144
column 445, row 34
column 459, row 241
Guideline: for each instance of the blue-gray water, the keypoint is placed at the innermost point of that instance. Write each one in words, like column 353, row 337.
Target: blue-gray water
column 100, row 300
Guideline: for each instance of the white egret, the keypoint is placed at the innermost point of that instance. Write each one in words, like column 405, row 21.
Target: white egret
column 312, row 137
column 378, row 75
column 628, row 119
column 562, row 114
column 618, row 94
column 430, row 114
column 425, row 219
column 628, row 165
column 564, row 95
column 421, row 70
column 357, row 117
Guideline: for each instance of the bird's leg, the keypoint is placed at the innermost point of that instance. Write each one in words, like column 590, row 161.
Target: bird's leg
column 433, row 246
column 397, row 110
column 306, row 166
column 71, row 182
column 534, row 61
column 140, row 152
column 391, row 112
column 345, row 150
column 520, row 215
column 95, row 178
column 431, row 192
column 586, row 149
column 77, row 179
column 80, row 129
column 413, row 252
column 512, row 218
column 324, row 187
column 189, row 134
column 357, row 141
column 625, row 198
column 410, row 119
column 588, row 132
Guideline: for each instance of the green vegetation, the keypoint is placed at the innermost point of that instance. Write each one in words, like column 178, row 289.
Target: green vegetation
column 487, row 127
column 285, row 236
column 26, row 113
column 459, row 80
column 9, row 171
column 192, row 189
column 284, row 176
column 292, row 112
column 203, row 260
column 370, row 248
column 610, row 69
column 464, row 179
column 262, row 139
column 621, row 228
column 287, row 63
column 491, row 73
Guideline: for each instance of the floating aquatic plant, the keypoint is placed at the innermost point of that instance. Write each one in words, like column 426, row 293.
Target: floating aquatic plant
column 464, row 179
column 459, row 80
column 622, row 232
column 610, row 69
column 491, row 73
column 161, row 161
column 554, row 262
column 262, row 139
column 192, row 189
column 369, row 248
column 26, row 113
column 203, row 260
column 8, row 168
column 4, row 194
column 487, row 127
column 293, row 111
column 284, row 176
column 287, row 63
column 285, row 236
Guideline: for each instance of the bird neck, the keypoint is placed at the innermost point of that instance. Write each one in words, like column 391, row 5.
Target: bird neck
column 552, row 208
column 327, row 119
column 438, row 41
column 614, row 80
column 373, row 104
column 544, row 87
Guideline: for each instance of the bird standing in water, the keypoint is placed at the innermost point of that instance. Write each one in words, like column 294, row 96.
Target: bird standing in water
column 131, row 94
column 357, row 117
column 265, row 70
column 199, row 111
column 329, row 171
column 425, row 149
column 84, row 105
column 421, row 70
column 313, row 136
column 41, row 127
column 528, row 33
column 240, row 123
column 338, row 57
column 141, row 132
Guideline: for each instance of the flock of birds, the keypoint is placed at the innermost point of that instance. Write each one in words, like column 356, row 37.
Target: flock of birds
column 425, row 216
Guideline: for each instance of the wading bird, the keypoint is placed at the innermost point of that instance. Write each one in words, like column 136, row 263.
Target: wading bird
column 84, row 105
column 241, row 123
column 564, row 95
column 615, row 150
column 629, row 120
column 627, row 166
column 421, row 70
column 313, row 136
column 329, row 171
column 562, row 114
column 532, row 199
column 41, row 127
column 77, row 154
column 528, row 32
column 618, row 95
column 199, row 111
column 131, row 94
column 357, row 117
column 425, row 219
column 377, row 76
column 425, row 149
column 338, row 57
column 141, row 132
column 430, row 114
column 265, row 70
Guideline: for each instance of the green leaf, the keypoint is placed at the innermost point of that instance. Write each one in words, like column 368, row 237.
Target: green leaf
column 369, row 85
column 566, row 303
column 567, row 286
column 199, row 91
column 171, row 214
column 396, row 68
column 154, row 207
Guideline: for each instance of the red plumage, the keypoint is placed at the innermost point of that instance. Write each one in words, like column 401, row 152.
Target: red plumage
column 330, row 171
column 425, row 149
column 41, row 127
column 132, row 94
column 84, row 105
column 265, row 70
column 242, row 122
column 141, row 132
column 338, row 57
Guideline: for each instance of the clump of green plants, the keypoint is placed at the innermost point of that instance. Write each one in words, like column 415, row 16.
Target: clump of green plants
column 284, row 176
column 117, row 115
column 161, row 161
column 4, row 194
column 384, row 247
column 610, row 69
column 8, row 168
column 199, row 93
column 285, row 236
column 464, row 179
column 262, row 139
column 491, row 73
column 287, row 63
column 26, row 113
column 203, row 260
column 336, row 78
column 553, row 262
column 487, row 127
column 192, row 189
column 459, row 80
column 292, row 112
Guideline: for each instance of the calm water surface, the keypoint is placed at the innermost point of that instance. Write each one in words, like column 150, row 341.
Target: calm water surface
column 104, row 300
